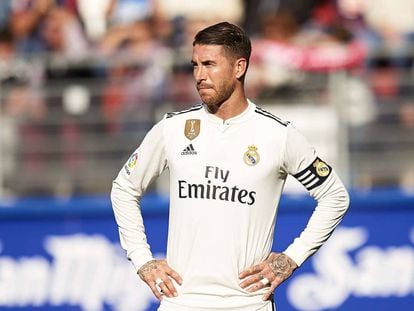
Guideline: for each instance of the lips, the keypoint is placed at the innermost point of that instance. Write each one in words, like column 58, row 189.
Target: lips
column 203, row 87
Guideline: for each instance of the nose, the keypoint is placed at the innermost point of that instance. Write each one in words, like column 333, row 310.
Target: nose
column 199, row 73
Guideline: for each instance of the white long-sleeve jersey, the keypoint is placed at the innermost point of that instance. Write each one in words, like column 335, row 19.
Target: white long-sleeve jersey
column 226, row 179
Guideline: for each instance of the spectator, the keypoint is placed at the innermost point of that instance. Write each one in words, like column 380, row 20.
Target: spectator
column 62, row 34
column 6, row 47
column 135, row 41
column 189, row 17
column 95, row 16
column 25, row 19
column 128, row 11
column 48, row 26
column 231, row 10
column 134, row 83
column 181, row 91
column 113, row 98
column 22, row 99
column 256, row 10
column 5, row 9
column 389, row 28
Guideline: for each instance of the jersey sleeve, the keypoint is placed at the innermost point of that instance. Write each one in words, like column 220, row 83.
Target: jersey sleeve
column 324, row 185
column 298, row 153
column 145, row 164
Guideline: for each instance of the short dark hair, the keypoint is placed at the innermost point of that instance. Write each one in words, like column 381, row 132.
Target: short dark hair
column 230, row 36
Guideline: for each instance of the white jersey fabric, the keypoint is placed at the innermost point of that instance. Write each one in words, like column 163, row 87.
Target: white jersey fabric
column 226, row 179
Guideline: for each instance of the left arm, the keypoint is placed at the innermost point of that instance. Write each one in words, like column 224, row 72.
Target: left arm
column 332, row 199
column 333, row 202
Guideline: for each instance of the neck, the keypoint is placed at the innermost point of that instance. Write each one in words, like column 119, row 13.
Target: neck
column 230, row 108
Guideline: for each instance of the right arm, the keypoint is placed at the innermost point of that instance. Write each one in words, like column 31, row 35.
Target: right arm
column 145, row 164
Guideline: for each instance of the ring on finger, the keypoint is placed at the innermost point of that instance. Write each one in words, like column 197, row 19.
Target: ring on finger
column 265, row 281
column 158, row 281
column 261, row 277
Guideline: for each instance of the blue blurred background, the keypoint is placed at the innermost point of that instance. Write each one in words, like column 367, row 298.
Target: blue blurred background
column 82, row 81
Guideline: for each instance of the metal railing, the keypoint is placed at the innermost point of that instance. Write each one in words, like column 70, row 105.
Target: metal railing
column 69, row 129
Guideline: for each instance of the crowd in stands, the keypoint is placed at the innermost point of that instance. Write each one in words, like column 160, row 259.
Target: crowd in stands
column 140, row 49
column 288, row 35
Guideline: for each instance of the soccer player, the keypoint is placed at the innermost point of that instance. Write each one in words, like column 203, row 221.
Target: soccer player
column 228, row 161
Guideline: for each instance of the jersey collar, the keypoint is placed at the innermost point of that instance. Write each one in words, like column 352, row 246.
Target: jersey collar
column 236, row 119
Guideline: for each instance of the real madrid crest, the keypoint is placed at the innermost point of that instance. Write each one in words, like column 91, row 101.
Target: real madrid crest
column 251, row 156
column 192, row 128
column 322, row 169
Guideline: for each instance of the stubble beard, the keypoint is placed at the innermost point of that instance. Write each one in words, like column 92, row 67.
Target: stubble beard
column 214, row 102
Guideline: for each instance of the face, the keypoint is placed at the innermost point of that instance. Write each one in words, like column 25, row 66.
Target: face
column 214, row 73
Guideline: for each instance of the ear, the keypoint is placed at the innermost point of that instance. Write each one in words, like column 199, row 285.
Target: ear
column 240, row 67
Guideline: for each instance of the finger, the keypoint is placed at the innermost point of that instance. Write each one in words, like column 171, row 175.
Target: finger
column 155, row 290
column 258, row 285
column 167, row 288
column 172, row 273
column 270, row 291
column 250, row 271
column 248, row 282
column 171, row 287
column 251, row 280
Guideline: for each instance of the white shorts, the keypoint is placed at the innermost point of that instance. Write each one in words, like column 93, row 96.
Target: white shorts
column 169, row 307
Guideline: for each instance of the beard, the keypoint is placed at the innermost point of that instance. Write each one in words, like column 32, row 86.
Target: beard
column 218, row 97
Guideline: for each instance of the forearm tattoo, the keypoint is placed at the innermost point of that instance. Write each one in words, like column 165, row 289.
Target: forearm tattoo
column 147, row 267
column 281, row 265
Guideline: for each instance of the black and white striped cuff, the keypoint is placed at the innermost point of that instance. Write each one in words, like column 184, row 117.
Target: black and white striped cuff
column 314, row 175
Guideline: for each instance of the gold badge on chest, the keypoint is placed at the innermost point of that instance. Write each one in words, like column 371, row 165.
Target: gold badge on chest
column 251, row 156
column 192, row 128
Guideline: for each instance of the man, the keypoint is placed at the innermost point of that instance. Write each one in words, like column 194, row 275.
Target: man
column 228, row 161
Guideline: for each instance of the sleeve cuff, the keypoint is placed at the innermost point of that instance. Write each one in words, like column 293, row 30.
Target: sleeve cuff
column 297, row 255
column 138, row 260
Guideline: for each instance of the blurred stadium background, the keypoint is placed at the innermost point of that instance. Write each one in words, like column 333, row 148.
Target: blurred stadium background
column 82, row 81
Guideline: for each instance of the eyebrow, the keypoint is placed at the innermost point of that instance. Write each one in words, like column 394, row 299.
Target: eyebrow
column 205, row 62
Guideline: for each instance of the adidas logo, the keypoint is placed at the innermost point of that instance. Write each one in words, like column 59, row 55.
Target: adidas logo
column 189, row 150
